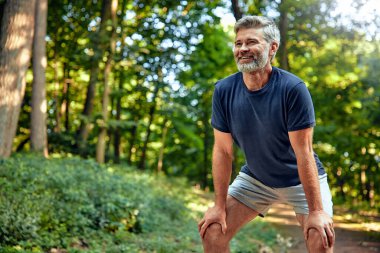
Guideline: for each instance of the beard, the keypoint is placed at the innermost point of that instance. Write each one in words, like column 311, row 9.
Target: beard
column 259, row 61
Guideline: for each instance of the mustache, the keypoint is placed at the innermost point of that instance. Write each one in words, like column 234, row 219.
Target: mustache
column 248, row 57
column 252, row 56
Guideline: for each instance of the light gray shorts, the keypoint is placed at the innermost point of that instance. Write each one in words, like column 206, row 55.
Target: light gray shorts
column 260, row 197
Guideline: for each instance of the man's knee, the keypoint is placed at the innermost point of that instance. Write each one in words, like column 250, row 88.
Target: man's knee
column 214, row 236
column 315, row 243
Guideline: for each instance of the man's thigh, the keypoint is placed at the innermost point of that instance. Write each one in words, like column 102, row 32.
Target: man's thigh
column 238, row 215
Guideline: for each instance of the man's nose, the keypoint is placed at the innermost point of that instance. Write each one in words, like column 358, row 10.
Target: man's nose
column 244, row 47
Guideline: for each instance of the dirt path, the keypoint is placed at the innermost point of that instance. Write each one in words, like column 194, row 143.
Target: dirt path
column 351, row 236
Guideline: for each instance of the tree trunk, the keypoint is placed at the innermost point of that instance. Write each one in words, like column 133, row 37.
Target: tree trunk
column 21, row 145
column 147, row 135
column 372, row 194
column 366, row 181
column 363, row 181
column 57, row 99
column 65, row 106
column 16, row 37
column 283, row 26
column 94, row 72
column 101, row 144
column 38, row 131
column 148, row 130
column 88, row 107
column 110, row 134
column 2, row 4
column 117, row 133
column 236, row 9
column 340, row 182
column 165, row 128
column 132, row 142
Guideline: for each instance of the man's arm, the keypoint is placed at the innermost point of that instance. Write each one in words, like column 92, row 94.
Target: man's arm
column 302, row 141
column 221, row 171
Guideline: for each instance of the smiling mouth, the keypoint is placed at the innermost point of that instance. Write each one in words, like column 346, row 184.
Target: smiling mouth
column 245, row 58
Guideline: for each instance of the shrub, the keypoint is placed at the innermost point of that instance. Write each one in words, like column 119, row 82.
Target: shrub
column 77, row 206
column 51, row 203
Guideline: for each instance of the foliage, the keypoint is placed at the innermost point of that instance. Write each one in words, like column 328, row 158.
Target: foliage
column 75, row 204
column 338, row 65
column 168, row 56
column 50, row 203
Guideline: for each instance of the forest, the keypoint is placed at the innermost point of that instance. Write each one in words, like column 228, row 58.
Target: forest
column 126, row 86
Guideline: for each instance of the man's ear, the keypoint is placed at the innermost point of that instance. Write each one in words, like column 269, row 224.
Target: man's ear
column 274, row 47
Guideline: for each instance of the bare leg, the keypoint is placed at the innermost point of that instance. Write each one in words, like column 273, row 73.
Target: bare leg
column 238, row 215
column 314, row 243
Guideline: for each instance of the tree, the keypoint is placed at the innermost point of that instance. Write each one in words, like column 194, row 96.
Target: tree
column 117, row 98
column 99, row 48
column 69, row 34
column 251, row 7
column 100, row 147
column 236, row 9
column 38, row 132
column 283, row 26
column 16, row 37
column 334, row 60
column 210, row 62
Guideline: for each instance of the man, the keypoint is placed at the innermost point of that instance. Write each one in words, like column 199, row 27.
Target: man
column 269, row 114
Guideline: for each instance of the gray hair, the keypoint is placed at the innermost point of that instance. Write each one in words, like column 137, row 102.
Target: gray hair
column 270, row 29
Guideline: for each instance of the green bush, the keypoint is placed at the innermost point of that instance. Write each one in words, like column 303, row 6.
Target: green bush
column 47, row 203
column 79, row 206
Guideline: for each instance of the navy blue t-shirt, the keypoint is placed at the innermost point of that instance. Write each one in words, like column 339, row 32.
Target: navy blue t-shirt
column 259, row 122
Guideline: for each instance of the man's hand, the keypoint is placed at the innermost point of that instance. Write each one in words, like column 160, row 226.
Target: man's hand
column 322, row 222
column 214, row 214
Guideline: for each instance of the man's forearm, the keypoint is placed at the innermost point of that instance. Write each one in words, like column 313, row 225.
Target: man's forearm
column 221, row 171
column 308, row 174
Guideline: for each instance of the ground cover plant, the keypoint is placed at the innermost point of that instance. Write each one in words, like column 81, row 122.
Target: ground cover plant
column 77, row 205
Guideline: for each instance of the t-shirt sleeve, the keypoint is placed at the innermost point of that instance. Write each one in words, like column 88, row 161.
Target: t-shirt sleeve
column 218, row 116
column 300, row 113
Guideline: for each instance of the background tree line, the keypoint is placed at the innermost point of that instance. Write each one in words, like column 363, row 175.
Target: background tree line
column 131, row 81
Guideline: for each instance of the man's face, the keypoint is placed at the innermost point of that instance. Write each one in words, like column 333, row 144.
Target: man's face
column 251, row 50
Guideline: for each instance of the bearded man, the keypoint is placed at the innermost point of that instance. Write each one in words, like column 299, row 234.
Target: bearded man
column 268, row 113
